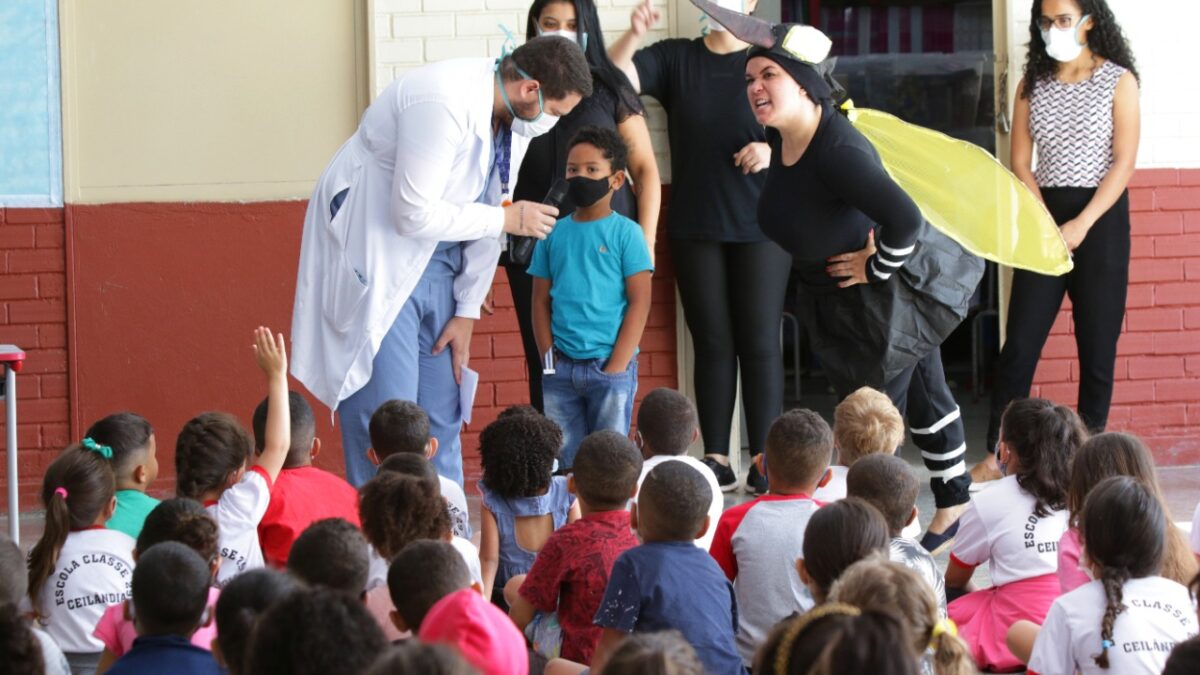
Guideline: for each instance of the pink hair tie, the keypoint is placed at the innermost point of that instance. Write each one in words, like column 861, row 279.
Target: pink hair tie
column 61, row 492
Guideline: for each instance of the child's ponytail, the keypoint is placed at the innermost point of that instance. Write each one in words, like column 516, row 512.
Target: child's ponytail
column 75, row 490
column 1122, row 529
column 951, row 656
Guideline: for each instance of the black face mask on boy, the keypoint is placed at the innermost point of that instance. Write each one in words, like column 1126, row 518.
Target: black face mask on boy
column 586, row 191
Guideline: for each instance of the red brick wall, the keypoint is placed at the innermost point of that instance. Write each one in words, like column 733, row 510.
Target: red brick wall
column 160, row 313
column 1157, row 394
column 33, row 316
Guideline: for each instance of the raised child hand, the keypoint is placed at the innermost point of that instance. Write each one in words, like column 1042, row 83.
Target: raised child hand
column 270, row 352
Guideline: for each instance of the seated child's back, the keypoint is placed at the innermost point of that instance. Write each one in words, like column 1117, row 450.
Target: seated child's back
column 181, row 520
column 170, row 592
column 1130, row 618
column 1015, row 526
column 302, row 494
column 889, row 484
column 667, row 582
column 571, row 571
column 398, row 427
column 758, row 542
column 211, row 453
column 865, row 423
column 667, row 424
column 523, row 503
column 78, row 568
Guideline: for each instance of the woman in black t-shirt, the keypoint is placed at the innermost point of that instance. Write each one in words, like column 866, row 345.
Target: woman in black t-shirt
column 732, row 278
column 851, row 228
column 613, row 105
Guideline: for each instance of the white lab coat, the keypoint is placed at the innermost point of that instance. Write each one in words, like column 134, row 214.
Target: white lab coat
column 415, row 168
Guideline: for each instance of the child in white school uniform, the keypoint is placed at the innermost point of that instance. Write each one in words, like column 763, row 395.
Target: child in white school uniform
column 210, row 464
column 78, row 568
column 1015, row 526
column 1129, row 619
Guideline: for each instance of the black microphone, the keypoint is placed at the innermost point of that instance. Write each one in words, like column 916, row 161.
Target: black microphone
column 520, row 249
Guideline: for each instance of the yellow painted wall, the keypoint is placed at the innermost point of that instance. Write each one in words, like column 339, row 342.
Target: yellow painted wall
column 207, row 100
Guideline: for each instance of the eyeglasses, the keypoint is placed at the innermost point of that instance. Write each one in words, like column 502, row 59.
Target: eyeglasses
column 1061, row 22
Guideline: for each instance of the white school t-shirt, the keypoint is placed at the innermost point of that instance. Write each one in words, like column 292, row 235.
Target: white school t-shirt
column 378, row 570
column 238, row 513
column 1159, row 614
column 456, row 502
column 1000, row 528
column 94, row 570
column 835, row 488
column 715, row 508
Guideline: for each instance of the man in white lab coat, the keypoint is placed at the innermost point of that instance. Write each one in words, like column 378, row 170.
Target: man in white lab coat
column 403, row 233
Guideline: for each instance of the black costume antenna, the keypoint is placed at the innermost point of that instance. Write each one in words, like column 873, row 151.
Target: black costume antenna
column 744, row 27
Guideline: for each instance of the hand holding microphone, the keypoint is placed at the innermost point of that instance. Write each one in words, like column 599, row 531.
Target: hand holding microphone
column 532, row 221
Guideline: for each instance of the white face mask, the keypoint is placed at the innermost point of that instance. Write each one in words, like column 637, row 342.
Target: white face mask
column 540, row 124
column 734, row 5
column 1063, row 44
column 568, row 34
column 537, row 126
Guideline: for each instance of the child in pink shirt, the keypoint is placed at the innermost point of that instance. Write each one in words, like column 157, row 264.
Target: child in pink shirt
column 182, row 520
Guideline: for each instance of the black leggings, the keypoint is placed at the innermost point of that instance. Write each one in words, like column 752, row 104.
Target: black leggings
column 732, row 295
column 1097, row 288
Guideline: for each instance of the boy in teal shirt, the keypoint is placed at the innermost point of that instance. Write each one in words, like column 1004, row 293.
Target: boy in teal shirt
column 591, row 297
column 127, row 440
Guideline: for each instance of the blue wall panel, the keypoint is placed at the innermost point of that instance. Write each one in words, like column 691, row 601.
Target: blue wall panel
column 30, row 111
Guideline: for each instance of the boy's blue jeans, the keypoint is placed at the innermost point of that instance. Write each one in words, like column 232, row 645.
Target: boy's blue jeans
column 581, row 398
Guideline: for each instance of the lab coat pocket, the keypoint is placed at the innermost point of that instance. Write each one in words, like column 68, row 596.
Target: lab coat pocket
column 344, row 288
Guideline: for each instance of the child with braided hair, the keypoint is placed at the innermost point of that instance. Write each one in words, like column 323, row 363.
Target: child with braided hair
column 211, row 454
column 1129, row 619
column 78, row 568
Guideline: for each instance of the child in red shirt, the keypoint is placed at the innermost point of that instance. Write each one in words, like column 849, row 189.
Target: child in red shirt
column 571, row 571
column 302, row 494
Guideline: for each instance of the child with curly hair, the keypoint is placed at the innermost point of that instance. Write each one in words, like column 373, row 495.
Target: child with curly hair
column 398, row 509
column 523, row 502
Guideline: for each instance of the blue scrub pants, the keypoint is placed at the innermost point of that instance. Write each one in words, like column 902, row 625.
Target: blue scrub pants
column 406, row 369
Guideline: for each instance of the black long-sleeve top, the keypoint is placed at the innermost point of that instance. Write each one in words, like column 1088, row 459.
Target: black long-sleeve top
column 825, row 203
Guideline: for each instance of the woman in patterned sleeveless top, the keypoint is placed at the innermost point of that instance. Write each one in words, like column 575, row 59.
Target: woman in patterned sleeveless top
column 1078, row 106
